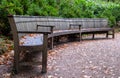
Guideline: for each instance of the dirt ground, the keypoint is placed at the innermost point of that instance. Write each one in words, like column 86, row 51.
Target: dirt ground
column 99, row 58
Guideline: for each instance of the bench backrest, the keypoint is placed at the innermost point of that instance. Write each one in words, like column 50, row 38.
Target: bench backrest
column 63, row 23
column 27, row 23
column 30, row 22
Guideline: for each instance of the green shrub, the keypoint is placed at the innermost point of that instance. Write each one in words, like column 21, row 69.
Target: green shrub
column 59, row 8
column 6, row 8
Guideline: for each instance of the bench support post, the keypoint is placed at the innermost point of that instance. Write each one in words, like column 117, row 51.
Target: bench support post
column 107, row 35
column 16, row 60
column 93, row 36
column 44, row 54
column 52, row 45
column 80, row 35
column 113, row 32
column 52, row 38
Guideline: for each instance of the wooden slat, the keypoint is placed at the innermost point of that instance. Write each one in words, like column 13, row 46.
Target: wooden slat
column 44, row 32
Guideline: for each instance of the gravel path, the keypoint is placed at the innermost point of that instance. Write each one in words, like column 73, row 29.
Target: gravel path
column 86, row 59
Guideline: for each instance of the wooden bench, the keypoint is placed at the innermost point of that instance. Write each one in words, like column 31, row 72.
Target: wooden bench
column 48, row 28
column 20, row 27
column 23, row 27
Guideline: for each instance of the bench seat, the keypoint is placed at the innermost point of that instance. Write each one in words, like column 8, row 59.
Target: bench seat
column 88, row 30
column 37, row 39
column 63, row 32
column 31, row 40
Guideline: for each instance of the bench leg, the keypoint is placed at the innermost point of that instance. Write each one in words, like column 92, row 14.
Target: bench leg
column 52, row 45
column 80, row 36
column 57, row 39
column 93, row 36
column 16, row 60
column 113, row 36
column 107, row 35
column 70, row 37
column 44, row 54
column 113, row 32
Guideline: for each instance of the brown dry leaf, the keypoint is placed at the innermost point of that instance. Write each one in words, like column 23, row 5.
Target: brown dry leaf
column 3, row 56
column 1, row 61
column 7, row 75
column 53, row 53
column 10, row 47
column 75, row 44
column 49, row 67
column 6, row 55
column 107, row 71
column 86, row 76
column 31, row 35
column 64, row 46
column 93, row 67
column 21, row 43
column 50, row 76
column 23, row 37
column 49, row 51
column 5, row 62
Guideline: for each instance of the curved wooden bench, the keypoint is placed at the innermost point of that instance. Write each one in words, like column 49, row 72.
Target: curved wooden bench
column 49, row 27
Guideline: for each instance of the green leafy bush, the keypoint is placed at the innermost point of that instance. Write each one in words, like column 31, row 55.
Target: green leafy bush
column 59, row 8
column 6, row 8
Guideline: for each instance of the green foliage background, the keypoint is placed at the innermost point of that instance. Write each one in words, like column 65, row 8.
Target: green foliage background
column 59, row 8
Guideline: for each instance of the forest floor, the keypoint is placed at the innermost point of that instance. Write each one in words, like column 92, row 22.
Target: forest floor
column 98, row 58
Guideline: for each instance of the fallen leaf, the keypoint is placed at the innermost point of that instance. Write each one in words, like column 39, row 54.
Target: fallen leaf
column 86, row 76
